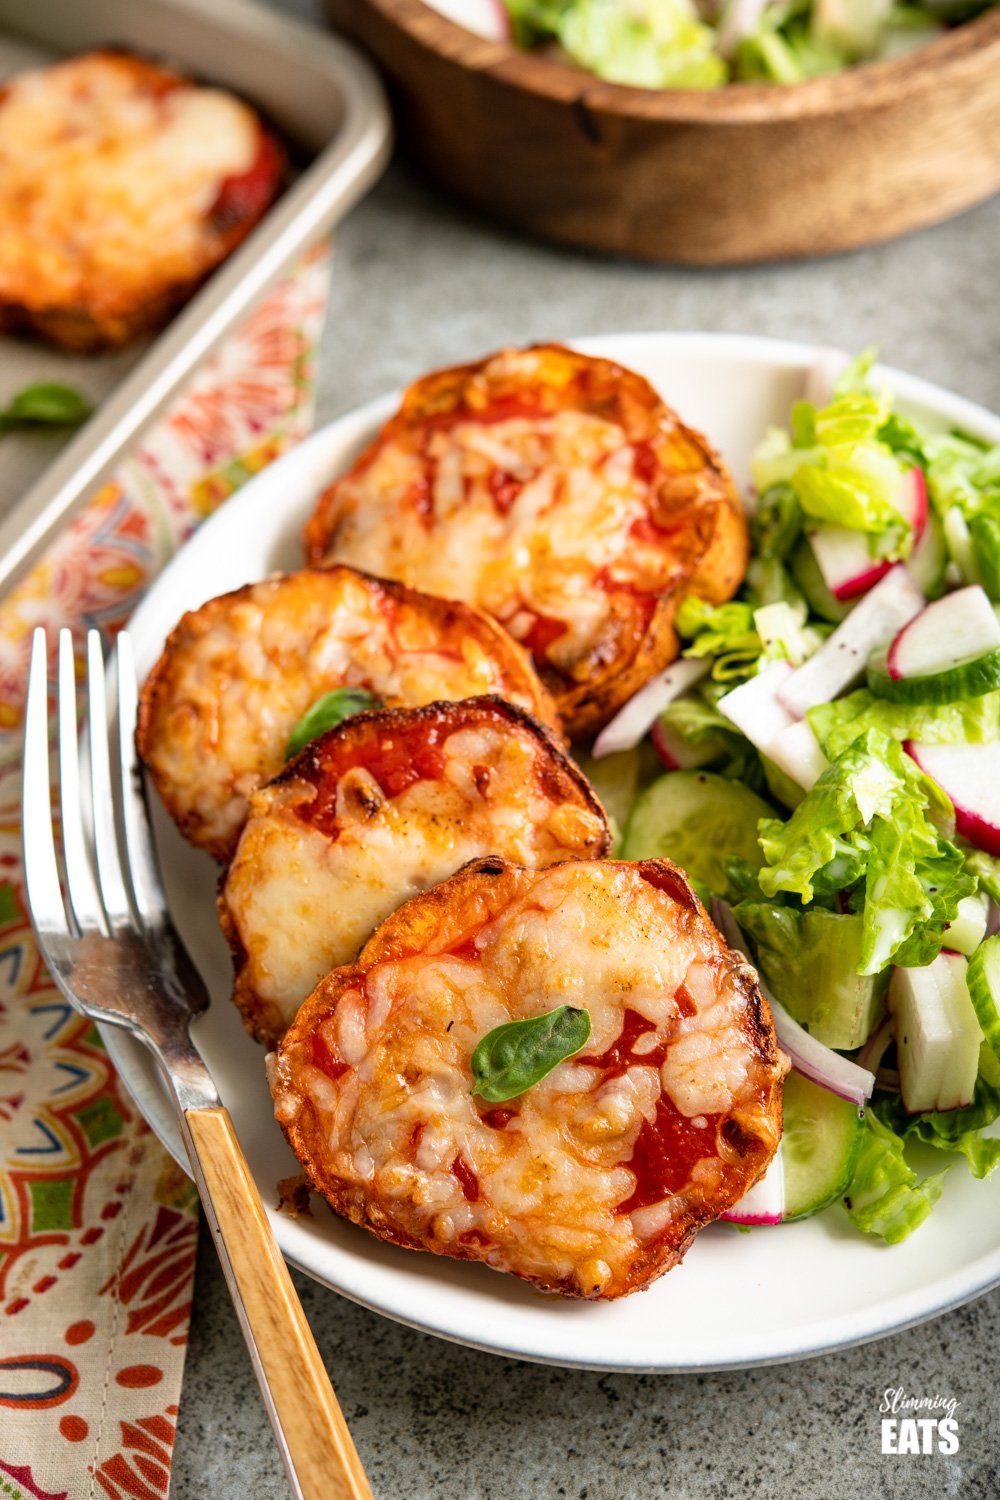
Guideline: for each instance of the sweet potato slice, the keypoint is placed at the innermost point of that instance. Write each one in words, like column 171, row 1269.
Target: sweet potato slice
column 595, row 1179
column 558, row 492
column 376, row 811
column 238, row 674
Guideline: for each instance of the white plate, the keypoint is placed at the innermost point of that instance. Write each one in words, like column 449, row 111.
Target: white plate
column 738, row 1299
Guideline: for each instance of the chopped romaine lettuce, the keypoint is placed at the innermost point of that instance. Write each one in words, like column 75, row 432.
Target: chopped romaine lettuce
column 867, row 816
column 839, row 470
column 777, row 522
column 884, row 1197
column 699, row 725
column 809, row 960
column 837, row 725
column 985, row 869
column 658, row 44
column 725, row 631
column 953, row 1130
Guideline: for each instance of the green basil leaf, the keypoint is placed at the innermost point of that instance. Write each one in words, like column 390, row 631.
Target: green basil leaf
column 513, row 1057
column 47, row 403
column 326, row 713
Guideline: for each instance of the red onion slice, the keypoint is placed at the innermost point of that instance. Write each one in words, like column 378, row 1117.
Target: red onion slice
column 633, row 719
column 815, row 1061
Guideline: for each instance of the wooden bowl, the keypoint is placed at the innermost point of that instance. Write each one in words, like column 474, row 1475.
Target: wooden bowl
column 745, row 173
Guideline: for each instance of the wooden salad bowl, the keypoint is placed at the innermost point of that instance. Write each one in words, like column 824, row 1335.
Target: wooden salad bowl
column 746, row 173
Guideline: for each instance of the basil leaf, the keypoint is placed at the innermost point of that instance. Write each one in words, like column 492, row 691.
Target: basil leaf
column 47, row 403
column 326, row 713
column 513, row 1057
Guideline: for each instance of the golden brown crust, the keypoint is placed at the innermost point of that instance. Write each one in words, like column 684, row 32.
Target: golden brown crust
column 691, row 529
column 94, row 249
column 387, row 804
column 236, row 675
column 469, row 915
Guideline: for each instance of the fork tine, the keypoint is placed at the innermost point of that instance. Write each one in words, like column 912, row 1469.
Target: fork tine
column 84, row 902
column 114, row 895
column 41, row 872
column 147, row 889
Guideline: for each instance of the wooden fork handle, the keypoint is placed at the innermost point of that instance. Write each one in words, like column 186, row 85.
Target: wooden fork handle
column 316, row 1446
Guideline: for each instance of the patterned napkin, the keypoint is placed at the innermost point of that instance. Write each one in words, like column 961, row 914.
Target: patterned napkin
column 97, row 1224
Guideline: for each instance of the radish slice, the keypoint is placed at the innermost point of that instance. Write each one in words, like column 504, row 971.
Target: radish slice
column 765, row 1202
column 938, row 1035
column 755, row 707
column 676, row 754
column 486, row 18
column 821, row 1064
column 845, row 562
column 796, row 751
column 633, row 719
column 970, row 776
column 968, row 929
column 952, row 630
column 843, row 656
column 929, row 558
column 956, row 534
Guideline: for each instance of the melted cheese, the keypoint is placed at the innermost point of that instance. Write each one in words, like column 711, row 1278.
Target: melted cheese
column 553, row 1180
column 301, row 902
column 577, row 498
column 238, row 675
column 106, row 181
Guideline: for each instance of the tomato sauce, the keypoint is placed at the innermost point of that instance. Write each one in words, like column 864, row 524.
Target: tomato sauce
column 245, row 195
column 323, row 1057
column 542, row 633
column 395, row 759
column 467, row 1177
column 666, row 1149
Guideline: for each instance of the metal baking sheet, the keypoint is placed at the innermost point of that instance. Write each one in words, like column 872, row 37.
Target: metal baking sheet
column 323, row 98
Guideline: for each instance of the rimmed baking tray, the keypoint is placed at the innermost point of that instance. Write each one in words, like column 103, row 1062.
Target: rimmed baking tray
column 325, row 101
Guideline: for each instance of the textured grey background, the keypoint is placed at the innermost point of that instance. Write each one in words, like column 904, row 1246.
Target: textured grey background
column 417, row 283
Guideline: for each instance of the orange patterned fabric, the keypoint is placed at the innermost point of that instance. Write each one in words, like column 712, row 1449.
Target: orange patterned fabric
column 98, row 1226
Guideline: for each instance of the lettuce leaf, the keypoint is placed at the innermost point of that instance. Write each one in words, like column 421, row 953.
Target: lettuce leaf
column 647, row 43
column 985, row 870
column 867, row 817
column 700, row 726
column 836, row 725
column 809, row 960
column 957, row 1131
column 884, row 1197
column 839, row 470
column 725, row 631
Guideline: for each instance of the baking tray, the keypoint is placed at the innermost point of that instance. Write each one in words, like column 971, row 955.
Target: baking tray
column 323, row 98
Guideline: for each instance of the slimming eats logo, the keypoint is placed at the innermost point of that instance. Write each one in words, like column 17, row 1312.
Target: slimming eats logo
column 918, row 1424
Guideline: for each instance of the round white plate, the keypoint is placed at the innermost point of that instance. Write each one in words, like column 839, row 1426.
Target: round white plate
column 738, row 1299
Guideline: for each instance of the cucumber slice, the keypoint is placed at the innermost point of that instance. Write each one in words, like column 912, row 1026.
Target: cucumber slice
column 697, row 819
column 984, row 987
column 966, row 679
column 820, row 1145
column 805, row 570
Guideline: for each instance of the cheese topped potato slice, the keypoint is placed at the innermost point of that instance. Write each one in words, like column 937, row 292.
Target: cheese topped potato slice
column 374, row 812
column 122, row 184
column 595, row 1179
column 558, row 492
column 236, row 676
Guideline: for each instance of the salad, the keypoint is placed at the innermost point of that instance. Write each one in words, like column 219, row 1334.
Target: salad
column 824, row 761
column 702, row 44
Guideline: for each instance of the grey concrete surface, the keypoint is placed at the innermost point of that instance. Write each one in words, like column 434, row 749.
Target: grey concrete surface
column 419, row 282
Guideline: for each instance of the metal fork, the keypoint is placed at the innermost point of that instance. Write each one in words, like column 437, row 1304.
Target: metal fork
column 116, row 956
